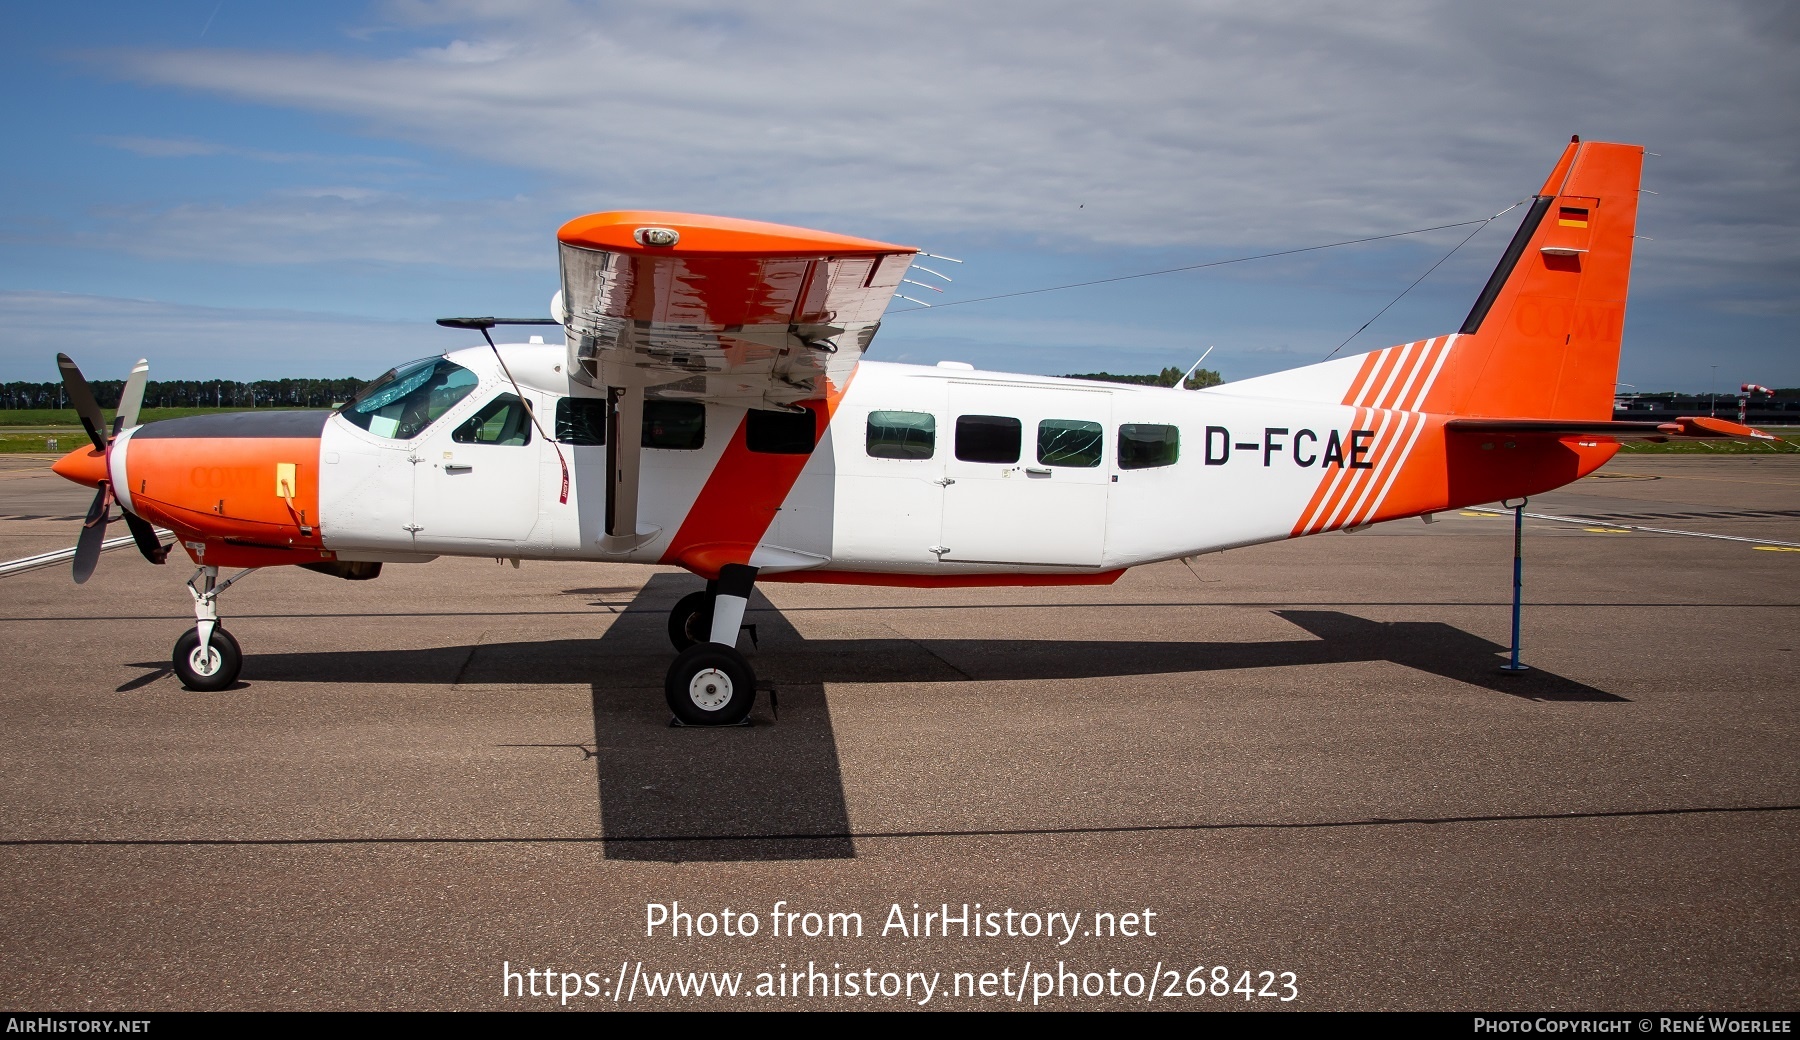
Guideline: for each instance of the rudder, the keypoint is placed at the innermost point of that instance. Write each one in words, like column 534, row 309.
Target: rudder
column 1542, row 340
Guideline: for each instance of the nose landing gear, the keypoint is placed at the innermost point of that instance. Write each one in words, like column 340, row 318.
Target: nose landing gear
column 206, row 656
column 710, row 683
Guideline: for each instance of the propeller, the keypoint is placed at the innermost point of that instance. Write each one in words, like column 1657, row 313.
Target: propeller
column 131, row 399
column 93, row 528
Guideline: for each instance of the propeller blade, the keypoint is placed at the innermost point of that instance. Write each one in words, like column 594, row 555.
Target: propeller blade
column 145, row 536
column 93, row 533
column 131, row 399
column 83, row 400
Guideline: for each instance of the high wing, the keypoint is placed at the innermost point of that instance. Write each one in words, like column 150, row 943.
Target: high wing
column 1688, row 427
column 731, row 311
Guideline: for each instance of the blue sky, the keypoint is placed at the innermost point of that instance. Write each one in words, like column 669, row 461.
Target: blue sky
column 250, row 190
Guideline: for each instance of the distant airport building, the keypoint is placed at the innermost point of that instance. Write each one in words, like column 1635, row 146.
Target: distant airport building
column 1782, row 410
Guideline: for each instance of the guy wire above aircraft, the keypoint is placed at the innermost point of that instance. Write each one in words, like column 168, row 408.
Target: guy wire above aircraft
column 712, row 410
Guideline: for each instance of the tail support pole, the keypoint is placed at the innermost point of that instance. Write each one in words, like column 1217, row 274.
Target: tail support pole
column 1518, row 588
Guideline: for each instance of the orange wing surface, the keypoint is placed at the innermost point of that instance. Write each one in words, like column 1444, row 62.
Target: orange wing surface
column 734, row 311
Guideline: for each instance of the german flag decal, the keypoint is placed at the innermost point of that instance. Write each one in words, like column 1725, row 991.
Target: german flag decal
column 1570, row 216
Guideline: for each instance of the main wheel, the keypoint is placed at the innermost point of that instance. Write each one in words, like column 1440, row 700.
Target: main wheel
column 691, row 620
column 216, row 669
column 710, row 685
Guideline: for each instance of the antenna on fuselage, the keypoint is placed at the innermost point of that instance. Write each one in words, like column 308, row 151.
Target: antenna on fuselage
column 1189, row 374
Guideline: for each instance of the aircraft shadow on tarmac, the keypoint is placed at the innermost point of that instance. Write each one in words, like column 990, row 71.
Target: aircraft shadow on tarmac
column 774, row 789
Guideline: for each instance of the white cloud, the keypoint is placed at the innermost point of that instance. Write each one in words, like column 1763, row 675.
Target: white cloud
column 332, row 225
column 1153, row 124
column 190, row 147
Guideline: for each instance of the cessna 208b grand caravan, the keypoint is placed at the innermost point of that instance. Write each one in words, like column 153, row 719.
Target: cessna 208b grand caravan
column 712, row 410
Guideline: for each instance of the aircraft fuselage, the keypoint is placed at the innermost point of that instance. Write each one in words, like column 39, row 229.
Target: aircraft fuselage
column 930, row 475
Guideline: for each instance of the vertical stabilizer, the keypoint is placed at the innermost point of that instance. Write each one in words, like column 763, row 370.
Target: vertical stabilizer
column 1542, row 340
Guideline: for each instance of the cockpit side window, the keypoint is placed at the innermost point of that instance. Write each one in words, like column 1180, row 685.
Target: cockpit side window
column 407, row 399
column 501, row 421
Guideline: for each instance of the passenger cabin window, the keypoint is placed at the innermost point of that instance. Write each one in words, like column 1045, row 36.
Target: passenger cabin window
column 1069, row 442
column 407, row 399
column 678, row 425
column 1146, row 446
column 503, row 420
column 781, row 433
column 902, row 435
column 987, row 438
column 581, row 421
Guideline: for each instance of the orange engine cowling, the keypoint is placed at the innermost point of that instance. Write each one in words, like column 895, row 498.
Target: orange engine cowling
column 241, row 489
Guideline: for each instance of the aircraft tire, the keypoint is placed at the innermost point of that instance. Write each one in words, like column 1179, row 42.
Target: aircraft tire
column 218, row 671
column 710, row 685
column 691, row 620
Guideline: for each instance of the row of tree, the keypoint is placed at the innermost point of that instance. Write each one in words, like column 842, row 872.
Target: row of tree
column 1204, row 377
column 193, row 393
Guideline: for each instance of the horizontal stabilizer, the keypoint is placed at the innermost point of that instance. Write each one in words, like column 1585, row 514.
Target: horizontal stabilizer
column 1688, row 427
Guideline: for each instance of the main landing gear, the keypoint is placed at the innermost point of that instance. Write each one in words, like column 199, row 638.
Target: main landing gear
column 206, row 656
column 710, row 683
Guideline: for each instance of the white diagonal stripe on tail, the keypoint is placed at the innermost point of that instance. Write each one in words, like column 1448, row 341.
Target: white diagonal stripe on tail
column 1373, row 400
column 1390, row 427
column 1437, row 366
column 1354, row 487
column 1393, row 473
column 1419, row 368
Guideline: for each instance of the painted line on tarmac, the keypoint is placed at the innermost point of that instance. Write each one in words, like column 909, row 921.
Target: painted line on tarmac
column 1718, row 480
column 1590, row 522
column 51, row 559
column 599, row 839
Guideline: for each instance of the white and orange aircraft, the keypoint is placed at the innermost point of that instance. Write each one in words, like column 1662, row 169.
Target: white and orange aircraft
column 712, row 410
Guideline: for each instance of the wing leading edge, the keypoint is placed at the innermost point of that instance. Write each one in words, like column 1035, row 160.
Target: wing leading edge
column 732, row 311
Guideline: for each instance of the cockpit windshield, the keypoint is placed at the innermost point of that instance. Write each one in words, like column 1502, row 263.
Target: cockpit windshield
column 407, row 399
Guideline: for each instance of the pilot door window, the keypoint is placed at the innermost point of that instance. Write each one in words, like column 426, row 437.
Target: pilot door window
column 407, row 399
column 503, row 420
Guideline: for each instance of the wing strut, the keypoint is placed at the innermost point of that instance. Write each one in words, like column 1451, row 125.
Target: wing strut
column 624, row 452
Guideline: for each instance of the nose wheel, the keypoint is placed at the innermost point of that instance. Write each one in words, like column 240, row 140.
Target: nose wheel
column 208, row 668
column 206, row 656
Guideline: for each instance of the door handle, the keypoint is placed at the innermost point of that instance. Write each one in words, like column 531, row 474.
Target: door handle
column 457, row 467
column 1038, row 471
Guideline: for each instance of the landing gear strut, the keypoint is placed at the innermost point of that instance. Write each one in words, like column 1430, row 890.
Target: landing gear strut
column 710, row 683
column 206, row 656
